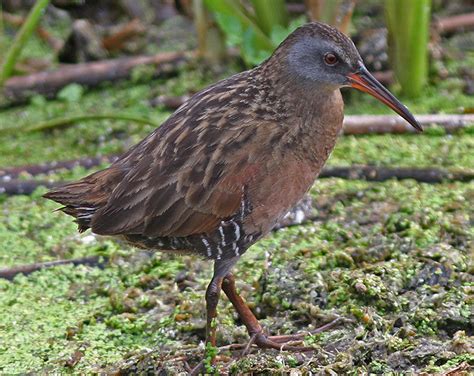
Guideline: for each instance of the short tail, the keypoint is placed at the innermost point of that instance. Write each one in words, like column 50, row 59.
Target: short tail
column 76, row 200
column 83, row 198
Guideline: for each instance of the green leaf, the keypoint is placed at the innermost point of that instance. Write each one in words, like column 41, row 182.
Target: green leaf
column 251, row 54
column 71, row 93
column 232, row 27
column 233, row 9
column 279, row 33
column 270, row 13
column 38, row 100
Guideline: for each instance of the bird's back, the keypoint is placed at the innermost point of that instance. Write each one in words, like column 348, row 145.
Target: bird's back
column 179, row 181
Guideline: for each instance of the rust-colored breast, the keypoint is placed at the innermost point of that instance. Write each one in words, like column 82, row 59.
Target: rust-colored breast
column 276, row 191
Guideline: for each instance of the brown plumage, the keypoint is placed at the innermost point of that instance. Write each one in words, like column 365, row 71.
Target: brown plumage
column 230, row 162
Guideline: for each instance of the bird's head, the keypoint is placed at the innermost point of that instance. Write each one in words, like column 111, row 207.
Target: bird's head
column 319, row 54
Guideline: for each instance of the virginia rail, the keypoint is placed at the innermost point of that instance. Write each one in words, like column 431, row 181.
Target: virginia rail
column 230, row 162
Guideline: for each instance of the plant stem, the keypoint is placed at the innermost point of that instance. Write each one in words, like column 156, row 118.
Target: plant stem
column 211, row 43
column 235, row 9
column 337, row 13
column 408, row 32
column 21, row 38
column 2, row 30
column 68, row 121
column 270, row 13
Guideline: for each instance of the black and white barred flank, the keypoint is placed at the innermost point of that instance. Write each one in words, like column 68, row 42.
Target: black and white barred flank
column 230, row 240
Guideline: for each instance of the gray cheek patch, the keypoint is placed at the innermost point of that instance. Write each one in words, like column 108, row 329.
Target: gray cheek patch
column 305, row 59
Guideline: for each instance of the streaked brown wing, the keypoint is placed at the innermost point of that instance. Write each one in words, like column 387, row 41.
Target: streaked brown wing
column 180, row 181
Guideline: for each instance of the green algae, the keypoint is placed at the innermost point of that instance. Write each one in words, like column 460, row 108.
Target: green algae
column 400, row 291
column 103, row 313
column 452, row 151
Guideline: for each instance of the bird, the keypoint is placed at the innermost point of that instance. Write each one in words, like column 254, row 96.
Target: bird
column 224, row 168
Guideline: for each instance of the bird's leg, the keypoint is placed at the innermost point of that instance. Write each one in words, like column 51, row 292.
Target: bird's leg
column 212, row 298
column 245, row 314
column 221, row 268
column 257, row 336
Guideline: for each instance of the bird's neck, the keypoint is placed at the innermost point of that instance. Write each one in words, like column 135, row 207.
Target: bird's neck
column 314, row 115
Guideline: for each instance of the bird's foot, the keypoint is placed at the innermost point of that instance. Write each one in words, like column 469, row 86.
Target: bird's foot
column 269, row 342
column 287, row 342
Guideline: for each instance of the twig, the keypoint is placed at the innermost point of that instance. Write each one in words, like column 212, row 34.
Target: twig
column 197, row 369
column 296, row 8
column 30, row 66
column 381, row 124
column 459, row 370
column 334, row 12
column 18, row 89
column 44, row 34
column 23, row 187
column 8, row 174
column 68, row 121
column 20, row 39
column 117, row 40
column 374, row 173
column 10, row 273
column 344, row 15
column 61, row 123
column 459, row 22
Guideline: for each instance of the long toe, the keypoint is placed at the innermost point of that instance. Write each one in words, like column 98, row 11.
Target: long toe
column 300, row 336
column 264, row 342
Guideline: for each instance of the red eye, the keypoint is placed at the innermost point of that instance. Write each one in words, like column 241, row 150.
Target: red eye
column 330, row 59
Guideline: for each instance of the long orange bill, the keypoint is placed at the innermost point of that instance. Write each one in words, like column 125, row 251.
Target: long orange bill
column 364, row 81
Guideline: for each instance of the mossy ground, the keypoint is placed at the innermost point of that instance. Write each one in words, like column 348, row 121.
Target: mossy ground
column 395, row 258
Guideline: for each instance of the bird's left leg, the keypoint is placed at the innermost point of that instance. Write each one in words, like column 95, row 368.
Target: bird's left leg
column 212, row 298
column 221, row 269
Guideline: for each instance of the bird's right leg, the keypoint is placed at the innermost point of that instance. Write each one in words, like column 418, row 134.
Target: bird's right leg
column 254, row 328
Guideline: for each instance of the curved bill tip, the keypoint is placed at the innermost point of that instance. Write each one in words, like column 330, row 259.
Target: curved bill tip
column 364, row 81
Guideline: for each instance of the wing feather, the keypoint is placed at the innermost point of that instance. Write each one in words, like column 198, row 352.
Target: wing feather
column 180, row 180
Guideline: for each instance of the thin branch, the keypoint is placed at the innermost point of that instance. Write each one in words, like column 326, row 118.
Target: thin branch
column 382, row 124
column 375, row 173
column 453, row 23
column 18, row 89
column 68, row 121
column 7, row 174
column 61, row 123
column 10, row 273
column 23, row 187
column 117, row 40
column 171, row 103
